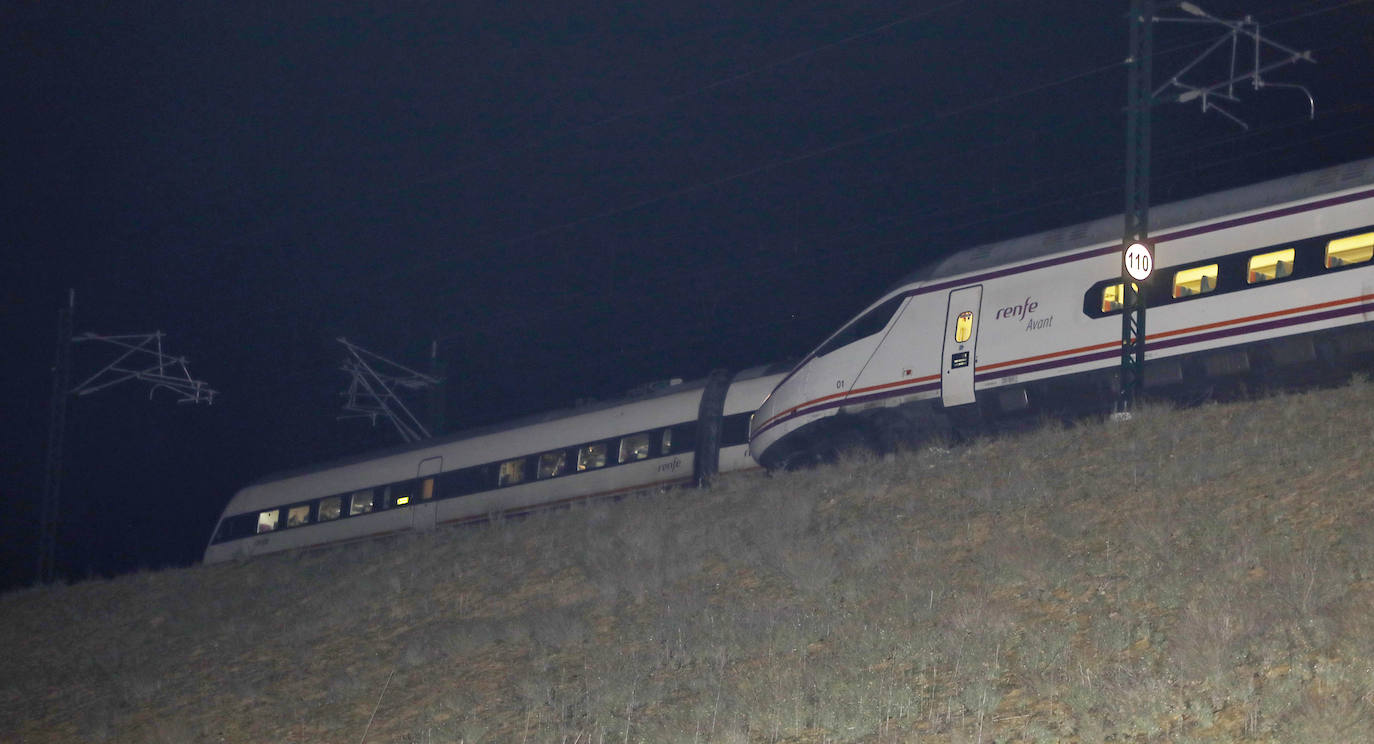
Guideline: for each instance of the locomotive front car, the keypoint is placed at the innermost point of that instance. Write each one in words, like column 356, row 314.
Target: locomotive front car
column 1273, row 280
column 670, row 434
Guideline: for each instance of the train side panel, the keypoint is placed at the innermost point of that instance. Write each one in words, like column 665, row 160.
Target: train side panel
column 1035, row 327
column 376, row 474
column 555, row 461
column 1050, row 317
column 743, row 398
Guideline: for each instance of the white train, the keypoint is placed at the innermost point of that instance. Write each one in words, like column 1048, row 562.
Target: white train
column 674, row 435
column 1273, row 281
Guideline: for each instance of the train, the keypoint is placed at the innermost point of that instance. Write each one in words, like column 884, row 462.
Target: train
column 1272, row 282
column 1266, row 284
column 667, row 434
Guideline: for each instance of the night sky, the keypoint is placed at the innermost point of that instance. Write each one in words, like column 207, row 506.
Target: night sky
column 571, row 200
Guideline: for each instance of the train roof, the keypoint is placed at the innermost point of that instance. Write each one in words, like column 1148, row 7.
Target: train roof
column 1108, row 230
column 643, row 393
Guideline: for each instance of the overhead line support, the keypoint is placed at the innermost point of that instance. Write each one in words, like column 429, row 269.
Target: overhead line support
column 1137, row 251
column 1139, row 98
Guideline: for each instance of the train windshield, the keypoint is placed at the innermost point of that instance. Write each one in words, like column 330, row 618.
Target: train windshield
column 866, row 325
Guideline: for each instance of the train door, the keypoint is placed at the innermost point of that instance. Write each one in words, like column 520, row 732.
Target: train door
column 422, row 512
column 961, row 340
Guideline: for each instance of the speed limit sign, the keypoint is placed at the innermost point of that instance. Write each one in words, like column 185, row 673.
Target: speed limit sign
column 1140, row 260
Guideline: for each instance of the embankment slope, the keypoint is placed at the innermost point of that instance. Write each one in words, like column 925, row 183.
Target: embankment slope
column 1201, row 574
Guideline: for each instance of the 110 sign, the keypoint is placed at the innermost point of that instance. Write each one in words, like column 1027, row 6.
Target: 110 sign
column 1140, row 261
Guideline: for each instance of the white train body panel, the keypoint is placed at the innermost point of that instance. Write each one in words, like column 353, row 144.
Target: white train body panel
column 744, row 395
column 1030, row 304
column 259, row 518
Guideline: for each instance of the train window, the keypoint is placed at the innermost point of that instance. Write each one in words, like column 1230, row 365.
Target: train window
column 876, row 320
column 552, row 464
column 237, row 526
column 298, row 515
column 267, row 521
column 512, row 472
column 1195, row 281
column 427, row 489
column 666, row 443
column 360, row 502
column 634, row 447
column 734, row 429
column 329, row 508
column 963, row 327
column 1270, row 266
column 467, row 480
column 591, row 456
column 1352, row 250
column 1112, row 298
column 401, row 494
column 685, row 437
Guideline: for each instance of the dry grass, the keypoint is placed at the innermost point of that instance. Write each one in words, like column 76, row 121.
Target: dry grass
column 1197, row 575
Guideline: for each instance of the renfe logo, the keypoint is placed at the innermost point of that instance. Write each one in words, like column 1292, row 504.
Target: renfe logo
column 1018, row 311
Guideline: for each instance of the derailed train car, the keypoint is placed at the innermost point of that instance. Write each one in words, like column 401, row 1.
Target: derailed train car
column 1272, row 281
column 676, row 435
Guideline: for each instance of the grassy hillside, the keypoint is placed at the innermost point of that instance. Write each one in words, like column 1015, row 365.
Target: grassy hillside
column 1197, row 575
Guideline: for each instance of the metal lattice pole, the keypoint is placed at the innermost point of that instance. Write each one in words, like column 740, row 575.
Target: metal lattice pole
column 157, row 369
column 372, row 390
column 1137, row 252
column 57, row 424
column 1137, row 228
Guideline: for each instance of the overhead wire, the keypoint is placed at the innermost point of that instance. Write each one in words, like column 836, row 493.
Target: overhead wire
column 656, row 348
column 941, row 216
column 376, row 281
column 635, row 111
column 816, row 152
column 651, row 350
column 708, row 184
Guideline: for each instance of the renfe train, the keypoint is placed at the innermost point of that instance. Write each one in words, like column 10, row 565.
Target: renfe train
column 673, row 435
column 1270, row 282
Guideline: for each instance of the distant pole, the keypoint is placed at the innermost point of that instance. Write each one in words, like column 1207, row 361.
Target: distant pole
column 161, row 371
column 57, row 422
column 1137, row 229
column 372, row 390
column 437, row 370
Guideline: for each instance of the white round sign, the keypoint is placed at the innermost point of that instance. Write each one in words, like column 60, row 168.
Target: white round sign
column 1140, row 261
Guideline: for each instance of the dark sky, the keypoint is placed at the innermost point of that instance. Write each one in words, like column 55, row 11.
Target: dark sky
column 571, row 200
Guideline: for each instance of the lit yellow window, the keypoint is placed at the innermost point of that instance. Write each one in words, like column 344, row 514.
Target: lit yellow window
column 553, row 463
column 1269, row 266
column 634, row 447
column 963, row 327
column 1352, row 250
column 329, row 508
column 267, row 521
column 512, row 472
column 591, row 457
column 1197, row 281
column 298, row 515
column 1111, row 298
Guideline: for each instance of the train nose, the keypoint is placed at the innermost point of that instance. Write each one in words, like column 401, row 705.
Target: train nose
column 764, row 412
column 758, row 423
